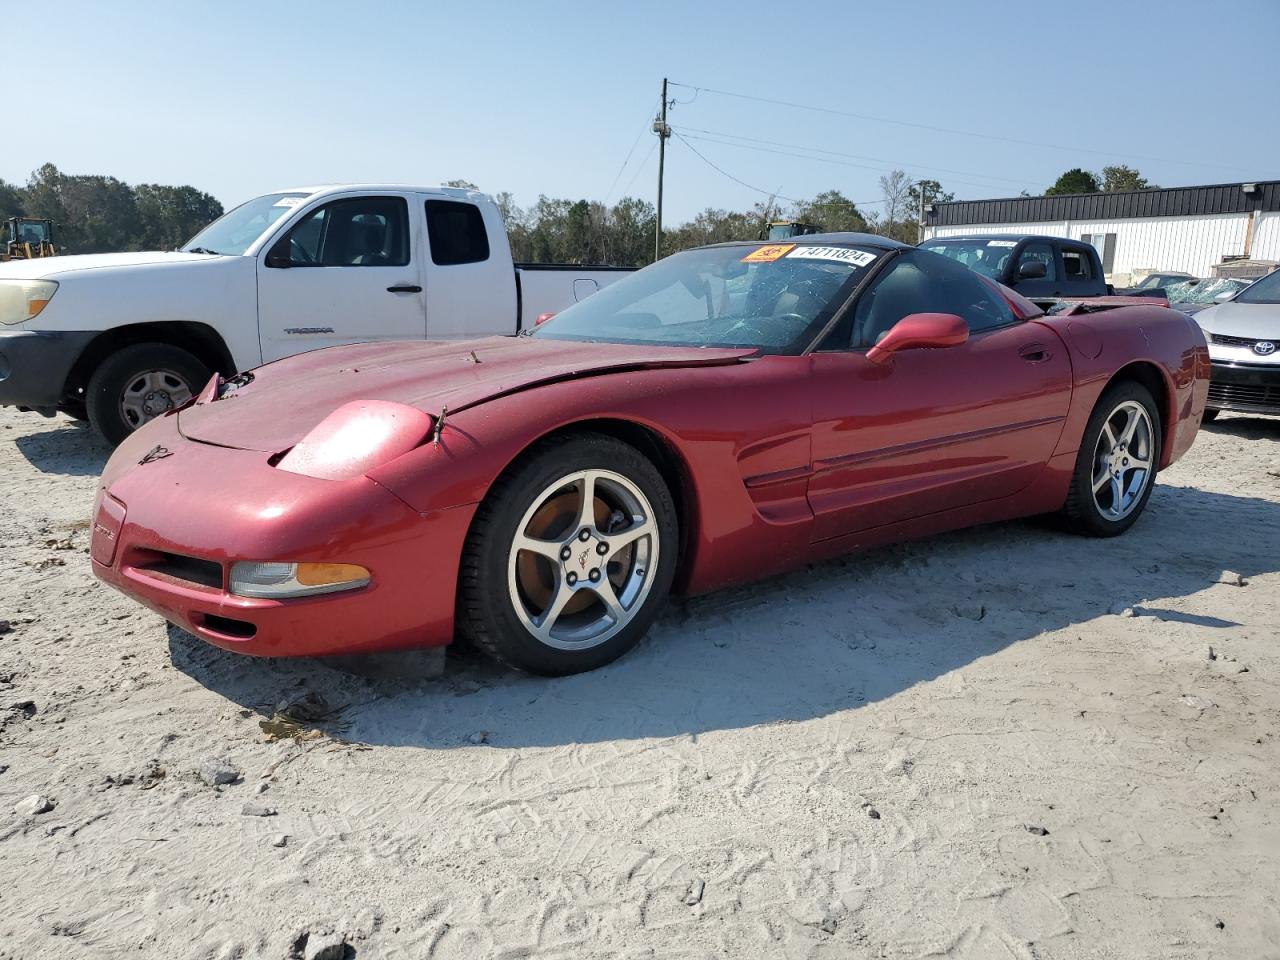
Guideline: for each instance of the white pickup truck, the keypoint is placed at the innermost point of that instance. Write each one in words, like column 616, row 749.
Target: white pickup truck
column 120, row 338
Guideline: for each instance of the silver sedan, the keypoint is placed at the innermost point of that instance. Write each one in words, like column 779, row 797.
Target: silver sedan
column 1244, row 346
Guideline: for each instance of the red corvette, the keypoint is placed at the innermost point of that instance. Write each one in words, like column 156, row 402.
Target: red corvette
column 722, row 415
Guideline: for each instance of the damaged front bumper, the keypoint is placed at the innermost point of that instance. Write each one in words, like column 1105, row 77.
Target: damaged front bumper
column 172, row 516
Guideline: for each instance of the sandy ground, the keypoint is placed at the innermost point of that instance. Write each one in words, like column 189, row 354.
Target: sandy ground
column 844, row 762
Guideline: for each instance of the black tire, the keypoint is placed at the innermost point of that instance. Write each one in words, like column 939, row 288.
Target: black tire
column 486, row 614
column 115, row 374
column 1081, row 513
column 1210, row 415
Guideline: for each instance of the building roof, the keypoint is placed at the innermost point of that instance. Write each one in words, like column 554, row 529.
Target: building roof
column 1169, row 202
column 811, row 239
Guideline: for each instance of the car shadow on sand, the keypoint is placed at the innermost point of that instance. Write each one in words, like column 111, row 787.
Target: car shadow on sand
column 1245, row 426
column 832, row 637
column 71, row 449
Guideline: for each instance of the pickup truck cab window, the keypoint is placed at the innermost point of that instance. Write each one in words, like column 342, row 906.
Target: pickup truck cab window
column 1044, row 253
column 918, row 281
column 456, row 233
column 358, row 232
column 1077, row 265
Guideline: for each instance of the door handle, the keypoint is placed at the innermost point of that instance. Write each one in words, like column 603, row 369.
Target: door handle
column 1034, row 352
column 404, row 288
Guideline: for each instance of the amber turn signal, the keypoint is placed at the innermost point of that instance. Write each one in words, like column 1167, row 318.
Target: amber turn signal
column 327, row 574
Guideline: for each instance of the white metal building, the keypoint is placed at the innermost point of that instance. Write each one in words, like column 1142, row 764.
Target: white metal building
column 1185, row 229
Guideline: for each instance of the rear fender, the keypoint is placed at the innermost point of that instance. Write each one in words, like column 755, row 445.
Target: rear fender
column 1159, row 347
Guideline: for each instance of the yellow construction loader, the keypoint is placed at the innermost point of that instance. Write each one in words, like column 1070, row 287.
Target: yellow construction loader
column 27, row 238
column 786, row 229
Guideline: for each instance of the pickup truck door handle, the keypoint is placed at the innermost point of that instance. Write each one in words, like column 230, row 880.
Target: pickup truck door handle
column 1034, row 352
column 404, row 288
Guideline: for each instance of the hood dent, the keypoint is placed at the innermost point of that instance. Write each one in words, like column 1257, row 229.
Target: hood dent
column 287, row 398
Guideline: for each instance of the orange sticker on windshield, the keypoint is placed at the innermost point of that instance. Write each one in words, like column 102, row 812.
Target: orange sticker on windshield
column 768, row 254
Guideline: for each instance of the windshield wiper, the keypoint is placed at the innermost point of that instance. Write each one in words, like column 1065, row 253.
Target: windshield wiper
column 204, row 250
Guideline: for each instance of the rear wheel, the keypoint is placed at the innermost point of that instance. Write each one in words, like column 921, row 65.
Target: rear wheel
column 138, row 384
column 1117, row 463
column 570, row 558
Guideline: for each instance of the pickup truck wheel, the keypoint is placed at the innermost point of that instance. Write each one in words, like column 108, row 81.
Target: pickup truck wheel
column 570, row 557
column 139, row 383
column 1116, row 466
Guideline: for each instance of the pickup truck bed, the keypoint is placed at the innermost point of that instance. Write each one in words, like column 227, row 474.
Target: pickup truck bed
column 543, row 288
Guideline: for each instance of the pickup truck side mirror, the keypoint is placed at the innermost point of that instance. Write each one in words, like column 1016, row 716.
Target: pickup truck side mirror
column 920, row 330
column 280, row 256
column 1032, row 270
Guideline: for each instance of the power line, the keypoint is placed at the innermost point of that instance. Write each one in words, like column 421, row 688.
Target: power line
column 639, row 170
column 635, row 143
column 937, row 129
column 768, row 193
column 803, row 156
column 856, row 156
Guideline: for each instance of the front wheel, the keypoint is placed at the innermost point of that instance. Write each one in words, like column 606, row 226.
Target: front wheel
column 138, row 384
column 1116, row 466
column 570, row 558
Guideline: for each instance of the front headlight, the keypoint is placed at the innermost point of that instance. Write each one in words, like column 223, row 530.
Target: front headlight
column 282, row 580
column 22, row 300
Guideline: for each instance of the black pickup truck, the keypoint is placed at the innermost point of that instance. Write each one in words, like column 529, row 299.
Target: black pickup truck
column 1039, row 268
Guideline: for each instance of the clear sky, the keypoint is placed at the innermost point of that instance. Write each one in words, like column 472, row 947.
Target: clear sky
column 239, row 98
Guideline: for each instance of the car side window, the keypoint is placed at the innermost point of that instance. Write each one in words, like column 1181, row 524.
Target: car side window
column 360, row 232
column 1042, row 252
column 922, row 282
column 1077, row 266
column 456, row 233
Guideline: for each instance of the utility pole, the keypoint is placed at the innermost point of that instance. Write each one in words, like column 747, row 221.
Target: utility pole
column 920, row 229
column 663, row 130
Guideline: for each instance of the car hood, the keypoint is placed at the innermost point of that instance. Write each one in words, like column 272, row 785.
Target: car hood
column 1190, row 309
column 1259, row 321
column 54, row 267
column 286, row 399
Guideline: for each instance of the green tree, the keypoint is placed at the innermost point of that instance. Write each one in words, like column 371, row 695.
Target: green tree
column 831, row 211
column 1075, row 180
column 933, row 193
column 170, row 216
column 631, row 224
column 11, row 202
column 896, row 219
column 1120, row 177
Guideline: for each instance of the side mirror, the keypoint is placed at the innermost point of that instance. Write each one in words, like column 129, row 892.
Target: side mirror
column 1032, row 270
column 920, row 330
column 280, row 256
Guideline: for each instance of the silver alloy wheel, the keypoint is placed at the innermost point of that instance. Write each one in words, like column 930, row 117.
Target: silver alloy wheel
column 1122, row 467
column 150, row 394
column 581, row 563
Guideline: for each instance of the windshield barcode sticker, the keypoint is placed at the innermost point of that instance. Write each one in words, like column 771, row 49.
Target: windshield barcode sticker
column 856, row 258
column 287, row 202
column 1002, row 243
